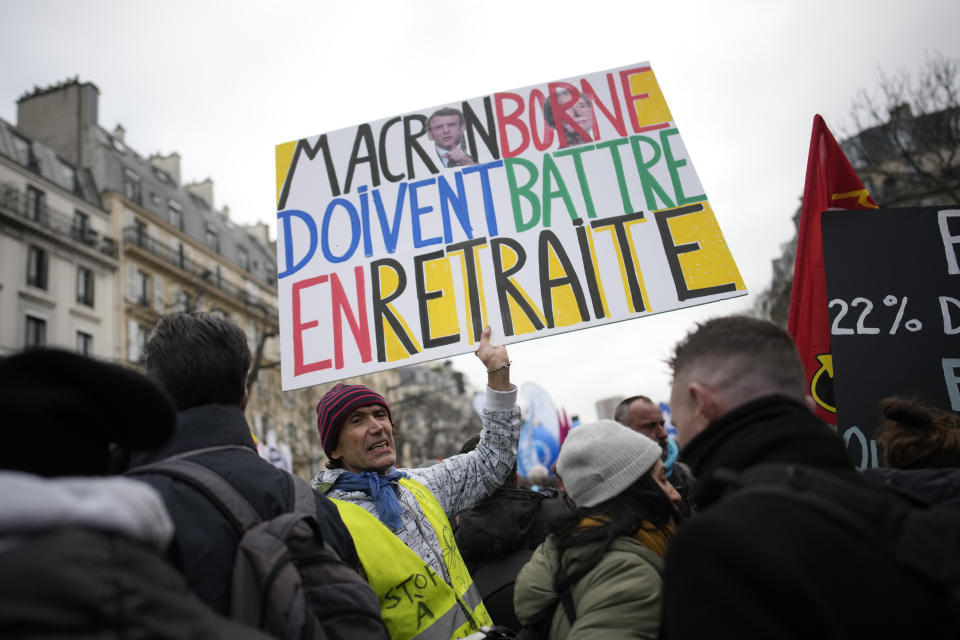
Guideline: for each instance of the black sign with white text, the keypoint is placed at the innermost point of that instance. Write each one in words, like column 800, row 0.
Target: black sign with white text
column 893, row 286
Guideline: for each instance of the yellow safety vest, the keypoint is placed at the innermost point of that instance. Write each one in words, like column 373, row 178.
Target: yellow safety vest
column 415, row 602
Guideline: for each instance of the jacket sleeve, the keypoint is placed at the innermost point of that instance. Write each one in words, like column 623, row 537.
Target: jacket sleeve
column 533, row 589
column 621, row 598
column 461, row 481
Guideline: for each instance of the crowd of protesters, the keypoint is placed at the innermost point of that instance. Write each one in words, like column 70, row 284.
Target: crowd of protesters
column 736, row 528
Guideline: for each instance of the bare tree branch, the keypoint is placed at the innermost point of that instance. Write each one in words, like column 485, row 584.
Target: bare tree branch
column 907, row 134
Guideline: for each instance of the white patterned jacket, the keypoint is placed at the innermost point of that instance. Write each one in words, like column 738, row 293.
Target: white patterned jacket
column 458, row 483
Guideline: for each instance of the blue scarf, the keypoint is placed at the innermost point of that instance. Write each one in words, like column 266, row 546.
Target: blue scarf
column 380, row 488
column 673, row 452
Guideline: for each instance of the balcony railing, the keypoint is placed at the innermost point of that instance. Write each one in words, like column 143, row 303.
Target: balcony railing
column 15, row 203
column 139, row 238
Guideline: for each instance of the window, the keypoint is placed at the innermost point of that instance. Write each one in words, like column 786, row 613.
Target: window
column 22, row 148
column 131, row 186
column 36, row 332
column 243, row 258
column 140, row 228
column 176, row 214
column 84, row 343
column 81, row 227
column 37, row 267
column 211, row 239
column 136, row 340
column 85, row 286
column 70, row 177
column 142, row 284
column 162, row 175
column 181, row 255
column 35, row 204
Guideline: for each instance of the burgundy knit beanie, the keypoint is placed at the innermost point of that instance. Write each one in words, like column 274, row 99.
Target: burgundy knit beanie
column 337, row 404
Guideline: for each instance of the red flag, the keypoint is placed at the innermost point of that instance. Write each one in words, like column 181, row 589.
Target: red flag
column 831, row 184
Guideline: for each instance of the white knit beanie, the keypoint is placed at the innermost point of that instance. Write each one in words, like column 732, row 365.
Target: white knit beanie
column 599, row 460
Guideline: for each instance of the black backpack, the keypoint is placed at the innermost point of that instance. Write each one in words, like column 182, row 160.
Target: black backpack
column 923, row 537
column 286, row 580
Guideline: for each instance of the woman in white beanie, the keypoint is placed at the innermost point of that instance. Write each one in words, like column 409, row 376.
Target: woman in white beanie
column 599, row 574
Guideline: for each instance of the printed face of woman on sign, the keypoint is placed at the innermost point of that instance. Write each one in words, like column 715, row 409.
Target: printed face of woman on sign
column 582, row 113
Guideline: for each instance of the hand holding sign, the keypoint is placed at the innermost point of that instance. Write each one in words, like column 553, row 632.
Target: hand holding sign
column 496, row 361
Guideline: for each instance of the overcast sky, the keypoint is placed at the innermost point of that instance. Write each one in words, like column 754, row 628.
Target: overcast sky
column 223, row 82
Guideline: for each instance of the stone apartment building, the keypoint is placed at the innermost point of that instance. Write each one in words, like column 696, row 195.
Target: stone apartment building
column 58, row 252
column 910, row 160
column 156, row 245
column 173, row 251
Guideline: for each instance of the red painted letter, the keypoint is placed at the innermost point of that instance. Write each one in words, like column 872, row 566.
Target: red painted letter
column 513, row 118
column 299, row 368
column 341, row 308
column 616, row 118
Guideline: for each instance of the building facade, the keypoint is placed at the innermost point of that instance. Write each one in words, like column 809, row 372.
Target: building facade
column 175, row 252
column 58, row 252
column 158, row 245
column 910, row 160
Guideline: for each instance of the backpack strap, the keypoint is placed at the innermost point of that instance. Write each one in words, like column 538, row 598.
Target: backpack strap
column 211, row 484
column 302, row 496
column 562, row 583
column 218, row 447
column 566, row 599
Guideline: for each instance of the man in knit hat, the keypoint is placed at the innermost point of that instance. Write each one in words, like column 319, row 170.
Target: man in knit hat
column 398, row 516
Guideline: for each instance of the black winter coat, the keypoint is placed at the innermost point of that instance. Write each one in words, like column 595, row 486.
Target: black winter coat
column 205, row 541
column 754, row 566
column 76, row 583
column 81, row 558
column 497, row 538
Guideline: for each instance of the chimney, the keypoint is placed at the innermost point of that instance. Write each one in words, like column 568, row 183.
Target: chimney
column 60, row 115
column 203, row 190
column 169, row 164
column 260, row 231
column 118, row 132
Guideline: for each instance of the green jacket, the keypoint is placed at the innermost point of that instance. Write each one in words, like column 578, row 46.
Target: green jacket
column 619, row 598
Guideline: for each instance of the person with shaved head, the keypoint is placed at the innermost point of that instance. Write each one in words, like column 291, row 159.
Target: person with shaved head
column 758, row 562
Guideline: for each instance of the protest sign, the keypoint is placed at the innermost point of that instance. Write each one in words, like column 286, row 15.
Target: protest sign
column 547, row 209
column 893, row 283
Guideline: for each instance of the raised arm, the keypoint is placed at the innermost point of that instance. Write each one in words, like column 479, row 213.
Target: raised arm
column 495, row 359
column 459, row 482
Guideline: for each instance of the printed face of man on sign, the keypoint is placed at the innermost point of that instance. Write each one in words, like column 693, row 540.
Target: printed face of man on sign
column 445, row 127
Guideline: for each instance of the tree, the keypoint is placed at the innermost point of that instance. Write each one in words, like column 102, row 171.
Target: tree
column 907, row 141
column 904, row 144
